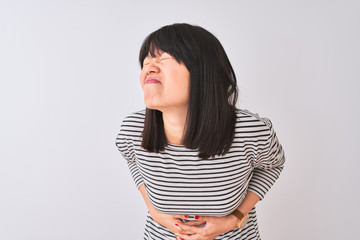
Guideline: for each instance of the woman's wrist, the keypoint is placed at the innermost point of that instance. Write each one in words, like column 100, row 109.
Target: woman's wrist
column 232, row 221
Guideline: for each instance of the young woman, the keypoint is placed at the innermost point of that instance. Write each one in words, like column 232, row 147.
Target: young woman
column 200, row 163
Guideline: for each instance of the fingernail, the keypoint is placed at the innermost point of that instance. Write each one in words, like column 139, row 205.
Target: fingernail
column 176, row 224
column 196, row 217
column 186, row 216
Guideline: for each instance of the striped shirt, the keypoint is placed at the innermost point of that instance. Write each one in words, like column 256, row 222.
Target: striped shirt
column 177, row 181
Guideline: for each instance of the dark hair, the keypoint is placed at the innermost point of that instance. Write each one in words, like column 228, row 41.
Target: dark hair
column 211, row 116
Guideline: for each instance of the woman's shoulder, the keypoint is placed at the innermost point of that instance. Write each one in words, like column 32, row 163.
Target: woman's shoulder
column 135, row 117
column 130, row 133
column 246, row 117
column 133, row 124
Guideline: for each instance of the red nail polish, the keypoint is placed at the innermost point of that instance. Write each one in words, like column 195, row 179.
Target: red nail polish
column 196, row 217
column 176, row 224
column 186, row 216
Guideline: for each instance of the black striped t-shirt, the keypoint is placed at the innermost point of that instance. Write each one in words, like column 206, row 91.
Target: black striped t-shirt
column 177, row 181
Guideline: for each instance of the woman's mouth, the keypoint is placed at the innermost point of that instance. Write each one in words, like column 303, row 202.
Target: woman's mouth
column 152, row 80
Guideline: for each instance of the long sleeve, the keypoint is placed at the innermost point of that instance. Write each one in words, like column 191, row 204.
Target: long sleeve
column 268, row 163
column 125, row 144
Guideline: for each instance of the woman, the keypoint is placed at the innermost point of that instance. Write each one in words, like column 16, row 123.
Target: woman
column 200, row 163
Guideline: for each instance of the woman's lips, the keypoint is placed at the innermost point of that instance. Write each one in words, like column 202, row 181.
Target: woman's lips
column 152, row 80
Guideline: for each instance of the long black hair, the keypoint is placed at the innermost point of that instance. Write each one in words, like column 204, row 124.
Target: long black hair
column 211, row 115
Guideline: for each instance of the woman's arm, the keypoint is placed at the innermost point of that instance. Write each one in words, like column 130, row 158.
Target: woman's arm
column 150, row 207
column 249, row 202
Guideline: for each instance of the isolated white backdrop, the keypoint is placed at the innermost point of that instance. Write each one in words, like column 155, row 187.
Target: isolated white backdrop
column 69, row 75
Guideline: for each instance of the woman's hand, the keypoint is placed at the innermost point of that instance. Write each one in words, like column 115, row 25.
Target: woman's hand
column 171, row 222
column 174, row 223
column 214, row 226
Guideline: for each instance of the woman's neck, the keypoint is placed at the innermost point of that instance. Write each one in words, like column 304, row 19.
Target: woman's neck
column 174, row 126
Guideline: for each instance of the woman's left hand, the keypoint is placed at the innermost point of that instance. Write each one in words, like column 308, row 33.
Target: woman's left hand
column 214, row 226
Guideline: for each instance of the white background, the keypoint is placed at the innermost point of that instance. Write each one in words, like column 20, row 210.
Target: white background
column 69, row 75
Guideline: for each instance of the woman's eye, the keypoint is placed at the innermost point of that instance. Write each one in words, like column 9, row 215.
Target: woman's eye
column 158, row 60
column 165, row 58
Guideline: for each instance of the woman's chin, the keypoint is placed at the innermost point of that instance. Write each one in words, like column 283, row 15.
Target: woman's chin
column 152, row 106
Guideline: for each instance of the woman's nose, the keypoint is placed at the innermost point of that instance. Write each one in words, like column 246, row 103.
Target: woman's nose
column 152, row 68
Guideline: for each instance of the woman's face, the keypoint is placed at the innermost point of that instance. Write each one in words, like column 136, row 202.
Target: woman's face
column 165, row 82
